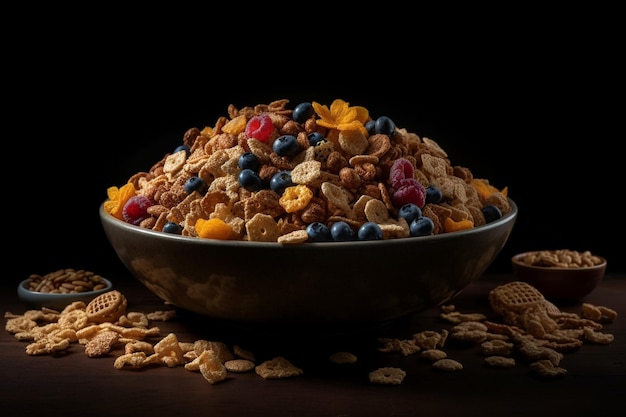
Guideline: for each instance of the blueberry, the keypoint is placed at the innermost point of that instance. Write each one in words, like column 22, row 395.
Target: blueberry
column 341, row 232
column 370, row 231
column 302, row 112
column 410, row 212
column 370, row 126
column 195, row 184
column 319, row 232
column 183, row 148
column 249, row 160
column 385, row 125
column 315, row 138
column 173, row 228
column 280, row 181
column 286, row 145
column 250, row 180
column 433, row 194
column 491, row 213
column 422, row 226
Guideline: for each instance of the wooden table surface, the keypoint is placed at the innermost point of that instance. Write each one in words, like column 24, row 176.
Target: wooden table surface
column 78, row 385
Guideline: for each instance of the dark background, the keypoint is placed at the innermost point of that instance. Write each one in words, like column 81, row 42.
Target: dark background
column 534, row 104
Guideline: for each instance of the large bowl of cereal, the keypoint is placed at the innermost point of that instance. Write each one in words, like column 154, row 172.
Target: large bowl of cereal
column 311, row 214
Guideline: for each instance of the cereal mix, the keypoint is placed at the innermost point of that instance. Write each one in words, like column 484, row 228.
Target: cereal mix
column 271, row 173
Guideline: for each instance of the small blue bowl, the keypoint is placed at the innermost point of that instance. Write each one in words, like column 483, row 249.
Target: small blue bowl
column 56, row 301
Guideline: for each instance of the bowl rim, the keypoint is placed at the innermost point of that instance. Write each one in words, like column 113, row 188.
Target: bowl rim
column 22, row 288
column 515, row 260
column 511, row 216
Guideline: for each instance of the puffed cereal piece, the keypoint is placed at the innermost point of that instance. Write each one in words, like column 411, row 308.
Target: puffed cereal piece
column 169, row 352
column 310, row 173
column 239, row 365
column 433, row 355
column 161, row 315
column 101, row 343
column 430, row 339
column 262, row 228
column 405, row 347
column 497, row 361
column 546, row 368
column 297, row 236
column 211, row 368
column 130, row 360
column 597, row 337
column 295, row 198
column 220, row 349
column 133, row 319
column 47, row 346
column 387, row 375
column 496, row 347
column 447, row 365
column 20, row 324
column 338, row 196
column 277, row 368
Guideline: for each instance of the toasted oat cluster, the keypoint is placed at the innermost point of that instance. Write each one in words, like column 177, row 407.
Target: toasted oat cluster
column 312, row 173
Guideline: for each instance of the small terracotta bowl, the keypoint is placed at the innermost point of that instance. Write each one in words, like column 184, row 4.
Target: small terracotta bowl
column 558, row 283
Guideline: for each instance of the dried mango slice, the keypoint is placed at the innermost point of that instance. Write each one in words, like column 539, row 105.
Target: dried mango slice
column 214, row 229
column 450, row 225
column 117, row 198
column 485, row 189
column 236, row 125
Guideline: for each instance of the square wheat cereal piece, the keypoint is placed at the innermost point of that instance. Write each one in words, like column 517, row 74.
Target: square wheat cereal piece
column 277, row 368
column 387, row 376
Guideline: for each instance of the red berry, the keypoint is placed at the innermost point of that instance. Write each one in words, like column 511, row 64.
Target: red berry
column 260, row 127
column 409, row 191
column 402, row 168
column 136, row 209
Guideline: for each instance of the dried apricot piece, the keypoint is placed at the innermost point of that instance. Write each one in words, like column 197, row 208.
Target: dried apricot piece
column 118, row 198
column 450, row 225
column 214, row 229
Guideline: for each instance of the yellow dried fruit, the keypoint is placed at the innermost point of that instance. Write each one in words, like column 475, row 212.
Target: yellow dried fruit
column 214, row 229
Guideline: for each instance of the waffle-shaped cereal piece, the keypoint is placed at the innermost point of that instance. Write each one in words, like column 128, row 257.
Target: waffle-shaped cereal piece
column 107, row 307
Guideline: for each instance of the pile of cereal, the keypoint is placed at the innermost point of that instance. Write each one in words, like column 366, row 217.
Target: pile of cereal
column 312, row 173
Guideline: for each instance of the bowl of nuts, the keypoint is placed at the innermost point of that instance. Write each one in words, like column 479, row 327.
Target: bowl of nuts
column 311, row 214
column 561, row 275
column 58, row 289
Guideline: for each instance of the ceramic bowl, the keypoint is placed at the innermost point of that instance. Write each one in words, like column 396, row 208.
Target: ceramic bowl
column 309, row 283
column 57, row 301
column 564, row 284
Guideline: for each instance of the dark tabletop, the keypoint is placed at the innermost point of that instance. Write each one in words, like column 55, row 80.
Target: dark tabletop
column 77, row 384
